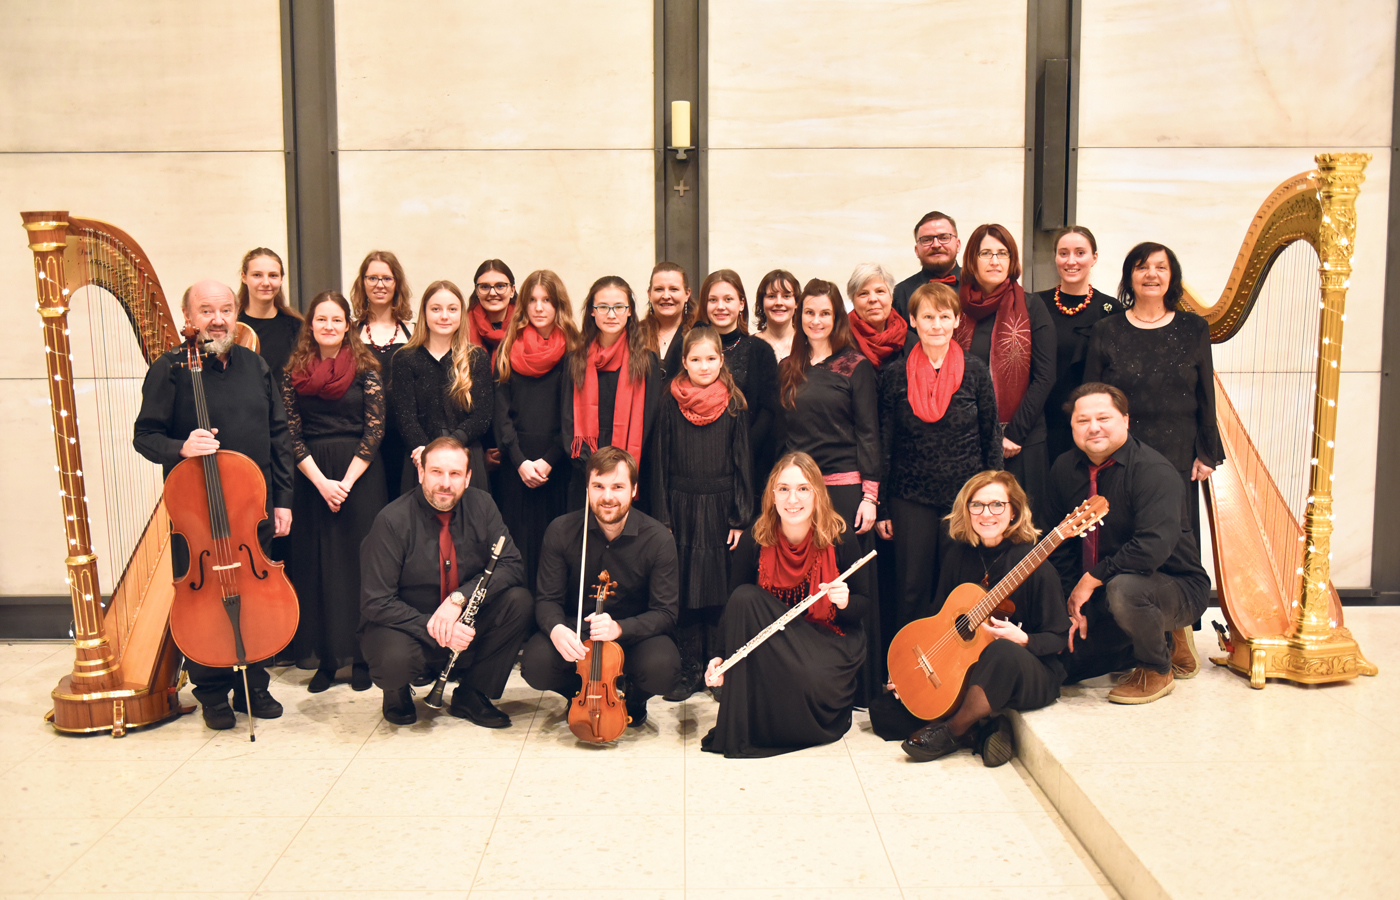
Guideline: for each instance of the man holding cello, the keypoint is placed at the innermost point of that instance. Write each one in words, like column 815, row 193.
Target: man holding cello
column 247, row 416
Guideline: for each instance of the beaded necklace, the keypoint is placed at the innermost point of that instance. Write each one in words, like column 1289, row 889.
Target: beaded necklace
column 1078, row 309
column 369, row 337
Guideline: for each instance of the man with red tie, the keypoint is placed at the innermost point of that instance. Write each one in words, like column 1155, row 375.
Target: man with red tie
column 423, row 547
column 936, row 245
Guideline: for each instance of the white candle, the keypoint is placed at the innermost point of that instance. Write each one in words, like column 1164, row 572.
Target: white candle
column 680, row 123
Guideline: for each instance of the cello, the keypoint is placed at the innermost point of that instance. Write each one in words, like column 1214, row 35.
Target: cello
column 597, row 714
column 232, row 605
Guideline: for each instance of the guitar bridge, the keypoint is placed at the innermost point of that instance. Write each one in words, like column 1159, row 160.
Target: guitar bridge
column 928, row 669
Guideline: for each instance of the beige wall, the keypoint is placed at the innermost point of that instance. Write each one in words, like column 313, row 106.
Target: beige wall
column 164, row 118
column 1189, row 115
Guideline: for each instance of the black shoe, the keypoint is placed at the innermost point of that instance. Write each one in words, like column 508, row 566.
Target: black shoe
column 398, row 706
column 636, row 711
column 265, row 706
column 424, row 678
column 930, row 742
column 218, row 716
column 995, row 744
column 687, row 684
column 474, row 706
column 321, row 681
column 359, row 677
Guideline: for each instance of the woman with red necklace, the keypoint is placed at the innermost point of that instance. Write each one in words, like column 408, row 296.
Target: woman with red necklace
column 532, row 388
column 335, row 415
column 796, row 689
column 380, row 298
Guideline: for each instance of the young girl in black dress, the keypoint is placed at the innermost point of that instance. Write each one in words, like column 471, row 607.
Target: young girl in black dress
column 703, row 492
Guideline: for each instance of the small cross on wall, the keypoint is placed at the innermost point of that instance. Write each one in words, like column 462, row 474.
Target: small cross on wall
column 681, row 188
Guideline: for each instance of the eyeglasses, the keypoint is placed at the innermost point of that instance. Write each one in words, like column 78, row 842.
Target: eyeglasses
column 929, row 240
column 498, row 288
column 996, row 507
column 994, row 254
column 379, row 279
column 616, row 309
column 802, row 490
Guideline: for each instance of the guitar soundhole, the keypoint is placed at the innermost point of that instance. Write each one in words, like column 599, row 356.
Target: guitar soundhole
column 965, row 627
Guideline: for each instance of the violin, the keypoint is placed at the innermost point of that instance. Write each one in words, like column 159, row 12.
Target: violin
column 232, row 605
column 597, row 713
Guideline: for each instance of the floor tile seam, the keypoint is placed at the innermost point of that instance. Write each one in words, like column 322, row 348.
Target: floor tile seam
column 496, row 818
column 870, row 807
column 111, row 824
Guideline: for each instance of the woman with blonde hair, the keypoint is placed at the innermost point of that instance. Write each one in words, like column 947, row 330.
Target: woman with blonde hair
column 796, row 689
column 379, row 298
column 442, row 382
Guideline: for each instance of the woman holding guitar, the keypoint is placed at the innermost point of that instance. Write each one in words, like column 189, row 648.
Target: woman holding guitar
column 1020, row 669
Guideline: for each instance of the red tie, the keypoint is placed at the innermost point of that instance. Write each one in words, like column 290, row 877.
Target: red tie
column 1091, row 540
column 946, row 279
column 447, row 556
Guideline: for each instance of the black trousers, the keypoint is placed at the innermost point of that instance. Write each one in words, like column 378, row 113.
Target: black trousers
column 1129, row 620
column 395, row 658
column 920, row 539
column 651, row 665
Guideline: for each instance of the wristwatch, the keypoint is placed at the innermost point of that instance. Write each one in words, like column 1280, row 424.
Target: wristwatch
column 457, row 599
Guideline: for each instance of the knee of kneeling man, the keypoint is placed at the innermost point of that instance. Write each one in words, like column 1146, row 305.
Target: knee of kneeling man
column 1121, row 593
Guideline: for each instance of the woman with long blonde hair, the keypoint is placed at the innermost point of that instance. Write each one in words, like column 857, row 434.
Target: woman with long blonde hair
column 796, row 689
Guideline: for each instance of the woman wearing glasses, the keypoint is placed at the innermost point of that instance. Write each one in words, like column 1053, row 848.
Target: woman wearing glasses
column 379, row 299
column 938, row 428
column 1014, row 335
column 797, row 688
column 492, row 301
column 1020, row 669
column 617, row 385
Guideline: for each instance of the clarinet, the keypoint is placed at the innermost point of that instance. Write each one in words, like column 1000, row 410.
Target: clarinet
column 468, row 617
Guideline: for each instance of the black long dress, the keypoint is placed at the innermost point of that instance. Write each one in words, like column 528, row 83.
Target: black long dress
column 277, row 337
column 425, row 409
column 1169, row 377
column 1071, row 345
column 607, row 399
column 528, row 422
column 796, row 689
column 324, row 558
column 392, row 450
column 755, row 369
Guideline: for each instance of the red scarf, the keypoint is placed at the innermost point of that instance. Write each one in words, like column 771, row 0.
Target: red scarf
column 481, row 332
column 328, row 379
column 792, row 573
column 1011, row 339
column 533, row 355
column 930, row 389
column 700, row 405
column 628, row 409
column 879, row 346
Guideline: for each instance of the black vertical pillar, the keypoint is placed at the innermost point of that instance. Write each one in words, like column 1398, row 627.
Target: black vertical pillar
column 680, row 63
column 1052, row 132
column 1385, row 532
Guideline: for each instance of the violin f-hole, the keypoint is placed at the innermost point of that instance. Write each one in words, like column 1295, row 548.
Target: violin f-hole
column 202, row 554
column 252, row 566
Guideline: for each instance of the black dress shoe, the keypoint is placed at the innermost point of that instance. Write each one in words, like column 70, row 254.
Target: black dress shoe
column 474, row 706
column 636, row 711
column 218, row 716
column 265, row 706
column 995, row 744
column 398, row 706
column 359, row 677
column 930, row 742
column 321, row 681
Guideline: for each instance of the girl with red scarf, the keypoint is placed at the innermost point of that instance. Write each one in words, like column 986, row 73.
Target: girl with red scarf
column 532, row 389
column 335, row 415
column 703, row 492
column 617, row 386
column 796, row 689
column 491, row 306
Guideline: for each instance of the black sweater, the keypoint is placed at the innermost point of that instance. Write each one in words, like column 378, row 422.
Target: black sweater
column 529, row 416
column 702, row 459
column 277, row 337
column 744, row 570
column 836, row 418
column 754, row 366
column 423, row 406
column 1040, row 600
column 1027, row 425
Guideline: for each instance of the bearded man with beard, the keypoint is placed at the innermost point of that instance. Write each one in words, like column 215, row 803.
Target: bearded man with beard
column 639, row 554
column 246, row 415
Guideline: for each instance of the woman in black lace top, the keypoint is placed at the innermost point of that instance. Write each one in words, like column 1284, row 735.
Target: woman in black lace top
column 1160, row 357
column 380, row 298
column 335, row 417
column 442, row 382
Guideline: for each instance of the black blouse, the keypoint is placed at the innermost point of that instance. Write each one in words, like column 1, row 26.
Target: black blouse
column 702, row 459
column 1040, row 600
column 744, row 570
column 1168, row 375
column 529, row 415
column 358, row 414
column 424, row 408
column 836, row 417
column 277, row 337
column 1071, row 345
column 754, row 366
column 1027, row 426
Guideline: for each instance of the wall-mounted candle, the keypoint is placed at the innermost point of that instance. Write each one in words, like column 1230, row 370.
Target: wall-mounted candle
column 680, row 123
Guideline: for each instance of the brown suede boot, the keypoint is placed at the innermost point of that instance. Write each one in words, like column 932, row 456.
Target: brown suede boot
column 1185, row 662
column 1142, row 686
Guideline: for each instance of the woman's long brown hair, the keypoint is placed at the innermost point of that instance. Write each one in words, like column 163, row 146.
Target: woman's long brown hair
column 307, row 349
column 792, row 371
column 402, row 295
column 648, row 325
column 709, row 333
column 280, row 301
column 520, row 320
column 639, row 362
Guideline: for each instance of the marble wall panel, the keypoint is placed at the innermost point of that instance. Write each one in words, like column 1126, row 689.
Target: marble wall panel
column 583, row 214
column 1236, row 73
column 446, row 74
column 819, row 213
column 135, row 75
column 866, row 73
column 32, row 546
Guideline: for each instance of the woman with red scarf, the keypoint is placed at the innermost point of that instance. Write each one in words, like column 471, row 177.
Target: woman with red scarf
column 617, row 384
column 532, row 389
column 1014, row 335
column 703, row 492
column 335, row 414
column 880, row 332
column 796, row 689
column 491, row 306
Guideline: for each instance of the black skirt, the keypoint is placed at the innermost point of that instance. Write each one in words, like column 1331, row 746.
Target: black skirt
column 526, row 511
column 846, row 500
column 796, row 690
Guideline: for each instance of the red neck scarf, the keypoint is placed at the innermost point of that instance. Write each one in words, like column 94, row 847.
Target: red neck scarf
column 328, row 379
column 533, row 355
column 481, row 331
column 792, row 573
column 879, row 346
column 1011, row 339
column 700, row 405
column 628, row 409
column 931, row 389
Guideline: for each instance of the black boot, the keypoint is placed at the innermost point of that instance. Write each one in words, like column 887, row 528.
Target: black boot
column 637, row 708
column 398, row 706
column 474, row 706
column 321, row 681
column 265, row 706
column 218, row 716
column 691, row 679
column 359, row 677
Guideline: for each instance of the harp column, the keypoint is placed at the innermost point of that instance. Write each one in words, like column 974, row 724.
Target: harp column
column 94, row 668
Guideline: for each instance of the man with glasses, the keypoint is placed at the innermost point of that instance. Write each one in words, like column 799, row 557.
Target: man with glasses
column 936, row 245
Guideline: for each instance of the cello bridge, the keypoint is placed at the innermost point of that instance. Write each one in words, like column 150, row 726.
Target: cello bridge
column 225, row 568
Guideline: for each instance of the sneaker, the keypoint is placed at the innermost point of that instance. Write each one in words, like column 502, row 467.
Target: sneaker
column 1142, row 686
column 1185, row 662
column 930, row 742
column 265, row 706
column 995, row 744
column 217, row 716
column 398, row 706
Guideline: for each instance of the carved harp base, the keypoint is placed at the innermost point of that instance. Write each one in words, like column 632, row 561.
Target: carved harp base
column 115, row 711
column 1305, row 660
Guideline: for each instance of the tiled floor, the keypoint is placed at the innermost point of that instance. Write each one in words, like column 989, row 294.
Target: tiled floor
column 332, row 802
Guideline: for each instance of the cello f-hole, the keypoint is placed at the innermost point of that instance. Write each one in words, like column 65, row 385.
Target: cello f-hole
column 202, row 554
column 252, row 566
